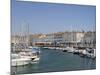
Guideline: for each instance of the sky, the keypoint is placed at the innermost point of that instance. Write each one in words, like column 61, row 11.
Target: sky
column 51, row 17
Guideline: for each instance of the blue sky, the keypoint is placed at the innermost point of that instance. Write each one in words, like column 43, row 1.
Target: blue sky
column 48, row 18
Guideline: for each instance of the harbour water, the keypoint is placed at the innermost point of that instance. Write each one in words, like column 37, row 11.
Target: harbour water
column 56, row 60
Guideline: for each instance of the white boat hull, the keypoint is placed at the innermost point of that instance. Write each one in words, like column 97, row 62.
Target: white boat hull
column 20, row 62
column 36, row 60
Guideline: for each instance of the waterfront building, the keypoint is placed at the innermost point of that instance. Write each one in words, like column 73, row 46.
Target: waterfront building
column 34, row 38
column 79, row 38
column 89, row 39
column 68, row 37
column 49, row 38
column 58, row 39
column 73, row 38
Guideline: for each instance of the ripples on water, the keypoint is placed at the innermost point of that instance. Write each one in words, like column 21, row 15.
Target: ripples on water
column 55, row 60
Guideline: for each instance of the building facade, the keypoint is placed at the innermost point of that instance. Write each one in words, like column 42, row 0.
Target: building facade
column 74, row 38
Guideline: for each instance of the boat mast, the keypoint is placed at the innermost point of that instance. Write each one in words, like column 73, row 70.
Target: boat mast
column 25, row 35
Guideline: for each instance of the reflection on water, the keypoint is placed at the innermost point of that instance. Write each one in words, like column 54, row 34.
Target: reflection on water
column 54, row 60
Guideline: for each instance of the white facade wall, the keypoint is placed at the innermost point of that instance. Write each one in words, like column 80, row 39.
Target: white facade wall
column 89, row 39
column 49, row 38
column 80, row 36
